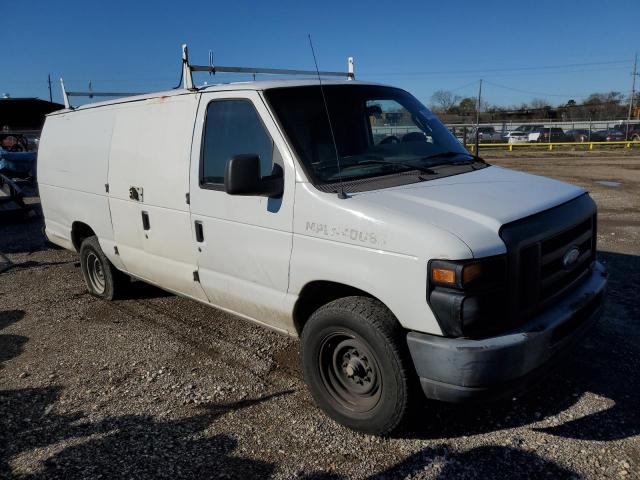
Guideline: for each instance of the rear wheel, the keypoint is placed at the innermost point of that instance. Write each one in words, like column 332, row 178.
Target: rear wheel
column 356, row 364
column 102, row 278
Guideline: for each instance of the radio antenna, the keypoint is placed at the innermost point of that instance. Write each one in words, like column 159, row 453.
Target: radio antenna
column 341, row 193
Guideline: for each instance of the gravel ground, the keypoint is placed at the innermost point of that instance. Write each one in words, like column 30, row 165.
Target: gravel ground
column 157, row 386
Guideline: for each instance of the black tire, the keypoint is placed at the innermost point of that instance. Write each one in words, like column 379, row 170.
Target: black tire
column 102, row 278
column 353, row 340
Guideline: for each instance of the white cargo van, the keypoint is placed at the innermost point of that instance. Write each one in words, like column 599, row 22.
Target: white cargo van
column 402, row 262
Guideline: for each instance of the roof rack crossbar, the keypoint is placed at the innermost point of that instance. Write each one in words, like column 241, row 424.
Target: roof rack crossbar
column 188, row 69
column 266, row 71
column 90, row 93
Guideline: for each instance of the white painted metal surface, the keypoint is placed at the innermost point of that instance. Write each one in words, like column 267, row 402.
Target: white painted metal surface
column 72, row 174
column 150, row 150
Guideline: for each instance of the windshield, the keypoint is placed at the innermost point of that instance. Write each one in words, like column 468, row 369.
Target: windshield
column 378, row 131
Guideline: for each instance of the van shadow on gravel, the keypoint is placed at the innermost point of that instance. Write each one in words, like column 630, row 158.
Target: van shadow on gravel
column 143, row 446
column 10, row 345
column 490, row 462
column 127, row 446
column 31, row 264
column 606, row 363
column 139, row 290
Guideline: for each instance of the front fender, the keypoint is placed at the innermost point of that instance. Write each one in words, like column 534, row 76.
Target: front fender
column 399, row 281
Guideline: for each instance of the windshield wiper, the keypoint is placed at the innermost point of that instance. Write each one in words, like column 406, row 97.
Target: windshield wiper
column 408, row 166
column 472, row 158
column 447, row 154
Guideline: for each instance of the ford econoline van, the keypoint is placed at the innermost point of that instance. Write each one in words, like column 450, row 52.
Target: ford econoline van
column 402, row 262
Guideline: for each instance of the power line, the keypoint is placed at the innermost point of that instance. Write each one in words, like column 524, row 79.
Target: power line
column 470, row 84
column 510, row 69
column 529, row 92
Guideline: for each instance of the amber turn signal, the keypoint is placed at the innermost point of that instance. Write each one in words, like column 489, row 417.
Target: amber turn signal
column 443, row 275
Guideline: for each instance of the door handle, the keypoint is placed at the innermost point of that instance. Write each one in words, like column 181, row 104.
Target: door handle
column 145, row 221
column 199, row 232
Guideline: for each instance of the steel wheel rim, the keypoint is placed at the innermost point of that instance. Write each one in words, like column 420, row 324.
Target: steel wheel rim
column 350, row 372
column 95, row 273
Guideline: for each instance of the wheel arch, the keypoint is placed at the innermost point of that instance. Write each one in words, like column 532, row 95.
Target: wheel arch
column 318, row 293
column 79, row 232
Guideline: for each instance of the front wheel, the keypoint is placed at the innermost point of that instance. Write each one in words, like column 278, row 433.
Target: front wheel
column 355, row 361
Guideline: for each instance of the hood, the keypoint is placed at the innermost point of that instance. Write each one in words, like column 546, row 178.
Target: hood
column 474, row 205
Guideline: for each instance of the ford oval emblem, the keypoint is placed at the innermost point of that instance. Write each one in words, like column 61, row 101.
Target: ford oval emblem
column 570, row 257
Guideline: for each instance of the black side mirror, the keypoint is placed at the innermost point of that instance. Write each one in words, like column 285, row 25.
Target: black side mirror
column 242, row 177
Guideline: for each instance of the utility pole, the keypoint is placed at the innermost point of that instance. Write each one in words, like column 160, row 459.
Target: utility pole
column 633, row 93
column 50, row 94
column 478, row 119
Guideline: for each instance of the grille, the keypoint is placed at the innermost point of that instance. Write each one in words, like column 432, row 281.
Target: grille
column 555, row 278
column 536, row 247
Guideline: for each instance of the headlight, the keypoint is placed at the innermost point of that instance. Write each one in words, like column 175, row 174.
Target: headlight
column 468, row 297
column 467, row 273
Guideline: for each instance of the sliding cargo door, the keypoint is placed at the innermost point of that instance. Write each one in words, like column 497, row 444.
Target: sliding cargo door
column 148, row 186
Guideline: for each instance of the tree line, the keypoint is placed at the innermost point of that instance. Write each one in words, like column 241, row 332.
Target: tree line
column 597, row 106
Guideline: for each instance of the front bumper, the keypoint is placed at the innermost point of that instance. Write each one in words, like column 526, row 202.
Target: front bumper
column 460, row 369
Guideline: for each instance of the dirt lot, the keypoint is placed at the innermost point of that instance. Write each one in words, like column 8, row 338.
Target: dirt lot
column 158, row 386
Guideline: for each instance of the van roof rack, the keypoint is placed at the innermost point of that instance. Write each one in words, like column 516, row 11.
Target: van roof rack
column 187, row 76
column 91, row 93
column 188, row 69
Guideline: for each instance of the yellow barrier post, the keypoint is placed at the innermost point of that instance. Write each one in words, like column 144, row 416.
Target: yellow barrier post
column 511, row 147
column 550, row 146
column 591, row 146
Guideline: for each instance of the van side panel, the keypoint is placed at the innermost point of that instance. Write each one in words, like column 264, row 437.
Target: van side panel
column 72, row 173
column 150, row 150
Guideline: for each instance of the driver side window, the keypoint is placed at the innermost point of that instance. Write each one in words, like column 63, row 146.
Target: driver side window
column 232, row 127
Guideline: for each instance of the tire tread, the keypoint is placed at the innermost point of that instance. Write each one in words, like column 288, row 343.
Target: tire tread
column 114, row 277
column 384, row 324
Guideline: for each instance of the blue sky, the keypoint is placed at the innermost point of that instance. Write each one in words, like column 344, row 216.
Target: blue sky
column 554, row 50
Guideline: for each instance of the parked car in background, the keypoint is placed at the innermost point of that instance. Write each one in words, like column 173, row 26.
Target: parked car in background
column 487, row 135
column 13, row 142
column 527, row 128
column 582, row 135
column 15, row 158
column 611, row 135
column 516, row 136
column 633, row 132
column 20, row 164
column 547, row 134
column 33, row 141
